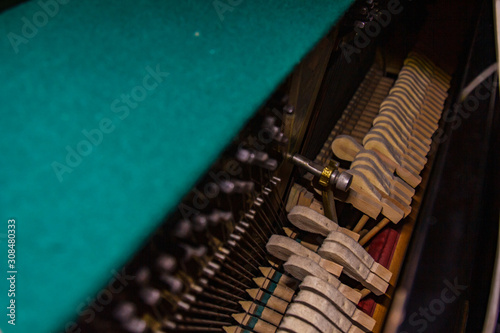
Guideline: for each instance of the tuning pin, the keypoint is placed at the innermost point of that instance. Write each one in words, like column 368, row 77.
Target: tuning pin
column 124, row 311
column 220, row 257
column 200, row 222
column 166, row 263
column 255, row 157
column 175, row 285
column 170, row 325
column 235, row 238
column 208, row 272
column 280, row 137
column 244, row 187
column 196, row 288
column 236, row 186
column 183, row 229
column 150, row 296
column 269, row 122
column 215, row 267
column 251, row 156
column 189, row 298
column 135, row 325
column 192, row 252
column 227, row 186
column 359, row 24
column 204, row 282
column 363, row 11
column 275, row 132
column 217, row 216
column 244, row 225
column 183, row 305
column 250, row 214
column 143, row 275
column 239, row 229
column 178, row 317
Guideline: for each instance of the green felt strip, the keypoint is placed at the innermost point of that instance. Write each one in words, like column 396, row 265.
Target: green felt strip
column 111, row 111
column 258, row 311
column 265, row 298
column 252, row 322
column 271, row 287
column 276, row 276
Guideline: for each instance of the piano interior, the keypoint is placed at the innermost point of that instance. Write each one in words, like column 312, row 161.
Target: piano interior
column 359, row 198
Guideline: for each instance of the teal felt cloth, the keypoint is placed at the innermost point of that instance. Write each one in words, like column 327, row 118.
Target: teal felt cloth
column 73, row 74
